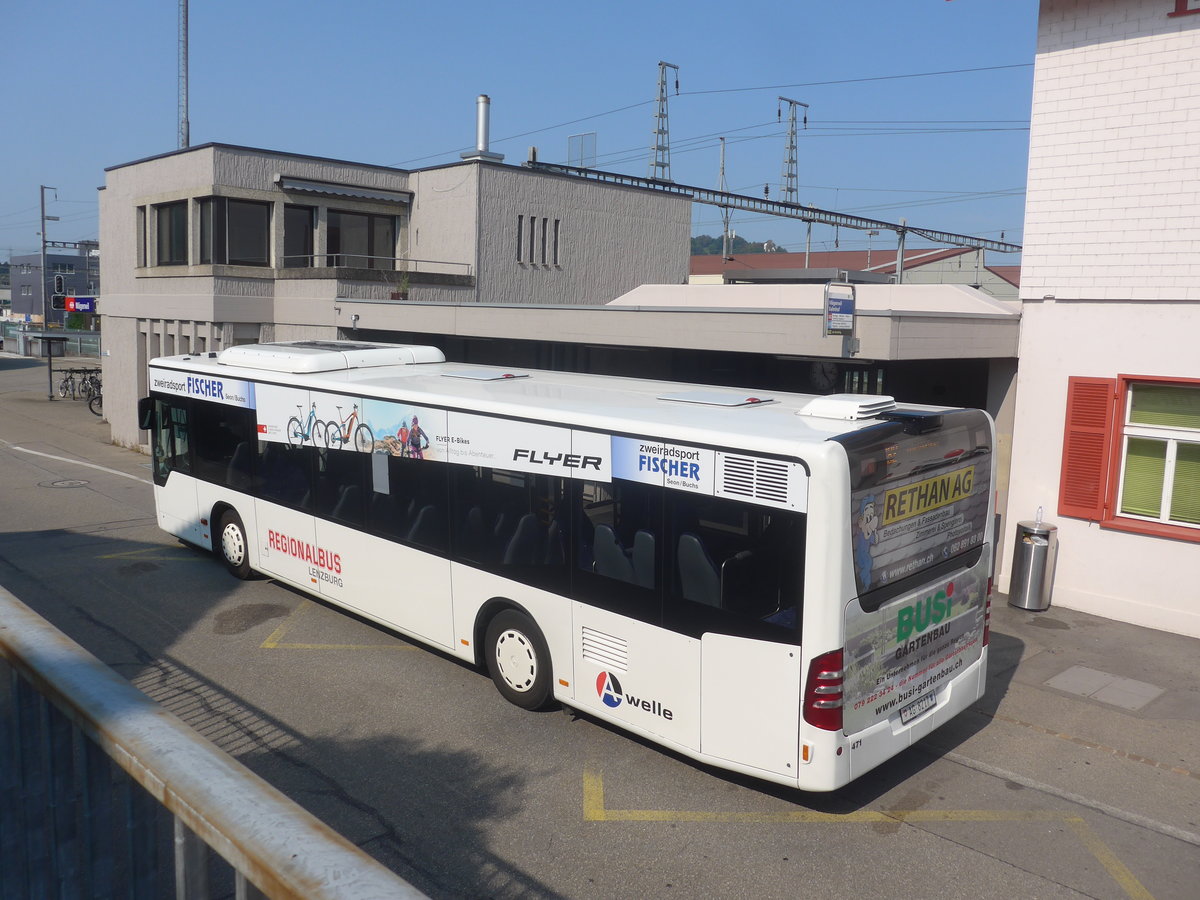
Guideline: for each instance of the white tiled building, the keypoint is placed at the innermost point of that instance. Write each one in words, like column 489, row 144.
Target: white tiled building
column 1107, row 431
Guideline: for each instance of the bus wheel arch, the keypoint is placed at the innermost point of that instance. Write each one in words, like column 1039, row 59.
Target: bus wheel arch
column 231, row 542
column 515, row 654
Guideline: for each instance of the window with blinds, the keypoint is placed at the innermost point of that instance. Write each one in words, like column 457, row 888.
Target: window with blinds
column 1160, row 469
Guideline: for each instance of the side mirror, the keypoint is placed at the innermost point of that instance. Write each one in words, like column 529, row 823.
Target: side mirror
column 146, row 414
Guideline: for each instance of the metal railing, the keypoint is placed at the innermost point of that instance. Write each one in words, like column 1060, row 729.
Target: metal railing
column 382, row 263
column 98, row 783
column 20, row 338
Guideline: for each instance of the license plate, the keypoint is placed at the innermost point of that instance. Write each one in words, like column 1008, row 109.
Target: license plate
column 918, row 706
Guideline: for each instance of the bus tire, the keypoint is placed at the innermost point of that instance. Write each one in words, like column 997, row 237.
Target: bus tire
column 518, row 659
column 233, row 545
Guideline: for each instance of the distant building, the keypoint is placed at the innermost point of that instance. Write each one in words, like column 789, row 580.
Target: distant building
column 942, row 265
column 218, row 245
column 79, row 270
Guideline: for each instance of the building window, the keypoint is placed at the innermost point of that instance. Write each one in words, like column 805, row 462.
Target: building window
column 1160, row 468
column 26, row 290
column 556, row 231
column 141, row 237
column 1131, row 454
column 172, row 244
column 299, row 225
column 235, row 232
column 362, row 240
column 532, row 235
column 520, row 236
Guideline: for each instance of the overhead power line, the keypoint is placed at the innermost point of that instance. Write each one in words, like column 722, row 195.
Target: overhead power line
column 609, row 112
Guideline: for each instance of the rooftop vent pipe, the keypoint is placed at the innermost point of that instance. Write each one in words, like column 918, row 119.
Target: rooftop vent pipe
column 482, row 113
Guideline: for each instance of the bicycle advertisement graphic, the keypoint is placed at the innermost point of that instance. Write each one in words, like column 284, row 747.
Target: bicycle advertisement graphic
column 313, row 428
column 349, row 430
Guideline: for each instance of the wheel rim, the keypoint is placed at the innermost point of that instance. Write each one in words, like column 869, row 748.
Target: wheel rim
column 516, row 660
column 233, row 545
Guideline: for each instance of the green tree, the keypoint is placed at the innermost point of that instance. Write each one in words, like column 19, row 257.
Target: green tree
column 707, row 245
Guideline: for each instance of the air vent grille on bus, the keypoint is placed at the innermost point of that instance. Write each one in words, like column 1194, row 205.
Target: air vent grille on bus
column 756, row 479
column 850, row 407
column 605, row 650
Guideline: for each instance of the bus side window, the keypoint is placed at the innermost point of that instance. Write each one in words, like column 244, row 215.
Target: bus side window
column 511, row 523
column 735, row 568
column 617, row 547
column 283, row 474
column 341, row 476
column 410, row 505
column 220, row 433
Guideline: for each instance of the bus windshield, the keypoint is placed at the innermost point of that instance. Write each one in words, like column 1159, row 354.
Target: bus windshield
column 919, row 489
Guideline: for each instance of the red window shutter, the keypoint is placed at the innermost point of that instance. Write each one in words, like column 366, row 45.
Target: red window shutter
column 1086, row 442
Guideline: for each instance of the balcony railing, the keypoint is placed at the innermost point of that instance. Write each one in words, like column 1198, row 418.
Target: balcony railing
column 381, row 263
column 97, row 783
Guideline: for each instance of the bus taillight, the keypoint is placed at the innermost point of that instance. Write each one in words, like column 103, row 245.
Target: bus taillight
column 823, row 692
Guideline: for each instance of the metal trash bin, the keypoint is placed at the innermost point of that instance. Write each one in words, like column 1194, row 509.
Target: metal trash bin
column 1035, row 554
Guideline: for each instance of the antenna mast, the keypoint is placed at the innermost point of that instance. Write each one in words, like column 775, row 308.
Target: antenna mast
column 788, row 194
column 726, row 213
column 184, row 128
column 660, row 148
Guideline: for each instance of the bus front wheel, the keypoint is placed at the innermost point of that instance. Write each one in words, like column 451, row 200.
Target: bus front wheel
column 235, row 550
column 518, row 659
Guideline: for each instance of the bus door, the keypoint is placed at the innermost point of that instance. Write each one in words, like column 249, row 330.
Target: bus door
column 627, row 667
column 168, row 419
column 736, row 574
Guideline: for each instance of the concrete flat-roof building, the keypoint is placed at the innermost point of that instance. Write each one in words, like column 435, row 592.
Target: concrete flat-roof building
column 218, row 245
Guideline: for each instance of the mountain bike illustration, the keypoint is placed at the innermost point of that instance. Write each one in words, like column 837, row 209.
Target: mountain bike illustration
column 312, row 430
column 350, row 429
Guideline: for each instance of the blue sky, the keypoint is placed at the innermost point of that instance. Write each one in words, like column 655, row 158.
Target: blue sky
column 918, row 109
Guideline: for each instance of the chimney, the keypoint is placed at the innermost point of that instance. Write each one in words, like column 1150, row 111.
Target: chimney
column 482, row 112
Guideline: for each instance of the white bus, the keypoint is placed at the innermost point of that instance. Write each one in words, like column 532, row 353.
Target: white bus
column 788, row 586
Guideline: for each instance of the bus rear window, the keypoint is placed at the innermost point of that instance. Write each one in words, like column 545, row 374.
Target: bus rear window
column 919, row 491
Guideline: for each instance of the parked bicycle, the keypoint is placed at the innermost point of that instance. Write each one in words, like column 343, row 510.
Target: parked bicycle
column 79, row 384
column 96, row 401
column 350, row 429
column 89, row 383
column 313, row 429
column 68, row 386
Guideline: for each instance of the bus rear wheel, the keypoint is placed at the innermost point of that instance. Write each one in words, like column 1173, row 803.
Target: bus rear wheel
column 235, row 549
column 518, row 659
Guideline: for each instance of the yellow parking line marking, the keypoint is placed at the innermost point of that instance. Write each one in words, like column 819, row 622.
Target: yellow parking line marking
column 275, row 640
column 1115, row 868
column 155, row 553
column 595, row 810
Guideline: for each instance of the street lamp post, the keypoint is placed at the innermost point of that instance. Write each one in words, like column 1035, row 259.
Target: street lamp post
column 45, row 299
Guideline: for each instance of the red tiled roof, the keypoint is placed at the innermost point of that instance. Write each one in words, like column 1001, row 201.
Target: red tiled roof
column 1011, row 274
column 882, row 261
